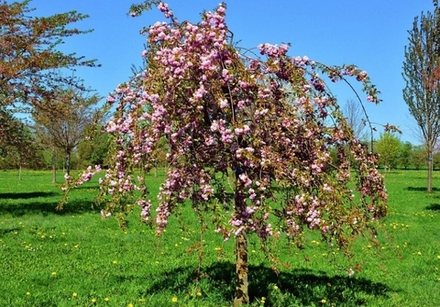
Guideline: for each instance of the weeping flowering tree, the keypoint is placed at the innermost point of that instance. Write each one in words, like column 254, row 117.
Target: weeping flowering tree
column 267, row 122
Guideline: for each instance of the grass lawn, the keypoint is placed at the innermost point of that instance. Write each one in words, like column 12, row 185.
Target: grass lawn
column 76, row 258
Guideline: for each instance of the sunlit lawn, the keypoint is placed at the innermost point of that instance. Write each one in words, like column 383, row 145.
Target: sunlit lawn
column 75, row 258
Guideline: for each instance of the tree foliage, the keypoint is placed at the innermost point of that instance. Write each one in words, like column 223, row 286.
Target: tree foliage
column 93, row 149
column 248, row 141
column 30, row 60
column 421, row 74
column 388, row 147
column 405, row 155
column 29, row 51
column 17, row 142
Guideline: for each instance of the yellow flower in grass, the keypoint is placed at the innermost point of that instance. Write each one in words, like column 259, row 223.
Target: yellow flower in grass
column 28, row 293
column 93, row 300
column 323, row 301
column 106, row 299
column 174, row 299
column 74, row 294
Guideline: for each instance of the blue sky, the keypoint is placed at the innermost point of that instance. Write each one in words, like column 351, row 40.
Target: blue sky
column 371, row 34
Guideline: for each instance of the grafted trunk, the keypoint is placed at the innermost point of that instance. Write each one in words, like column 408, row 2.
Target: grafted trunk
column 241, row 264
column 241, row 271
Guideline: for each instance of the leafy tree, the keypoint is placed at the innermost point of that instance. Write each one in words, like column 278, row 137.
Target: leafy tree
column 405, row 154
column 388, row 147
column 29, row 57
column 17, row 143
column 267, row 123
column 421, row 93
column 418, row 156
column 63, row 122
column 93, row 149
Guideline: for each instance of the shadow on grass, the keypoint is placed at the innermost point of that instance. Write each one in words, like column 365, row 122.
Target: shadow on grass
column 26, row 195
column 421, row 189
column 433, row 207
column 48, row 207
column 302, row 286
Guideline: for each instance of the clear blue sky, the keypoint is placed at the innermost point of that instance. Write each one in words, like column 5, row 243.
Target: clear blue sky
column 371, row 34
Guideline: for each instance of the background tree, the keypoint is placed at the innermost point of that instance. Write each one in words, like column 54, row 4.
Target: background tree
column 405, row 155
column 418, row 156
column 93, row 149
column 248, row 143
column 63, row 121
column 421, row 93
column 388, row 147
column 17, row 143
column 356, row 118
column 29, row 56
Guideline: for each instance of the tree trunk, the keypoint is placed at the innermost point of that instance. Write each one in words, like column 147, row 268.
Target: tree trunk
column 68, row 163
column 241, row 250
column 430, row 167
column 241, row 270
column 54, row 167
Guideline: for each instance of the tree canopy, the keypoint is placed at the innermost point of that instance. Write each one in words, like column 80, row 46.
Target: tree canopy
column 248, row 142
column 28, row 51
column 421, row 74
column 31, row 63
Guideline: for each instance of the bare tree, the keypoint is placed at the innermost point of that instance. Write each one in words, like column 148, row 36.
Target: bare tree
column 421, row 74
column 63, row 121
column 355, row 118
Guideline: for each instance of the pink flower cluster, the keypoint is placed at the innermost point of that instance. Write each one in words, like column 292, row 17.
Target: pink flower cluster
column 208, row 113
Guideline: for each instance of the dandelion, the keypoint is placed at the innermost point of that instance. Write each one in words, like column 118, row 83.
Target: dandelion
column 323, row 301
column 54, row 273
column 419, row 253
column 106, row 299
column 28, row 293
column 199, row 293
column 75, row 294
column 130, row 305
column 275, row 287
column 174, row 299
column 114, row 261
column 93, row 300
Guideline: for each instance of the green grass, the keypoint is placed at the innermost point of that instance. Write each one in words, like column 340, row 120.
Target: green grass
column 75, row 258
